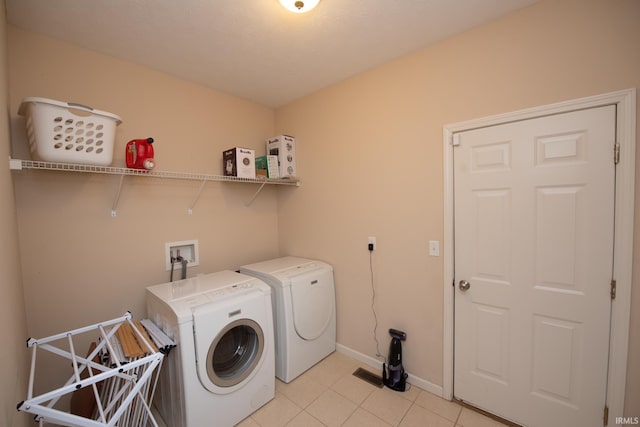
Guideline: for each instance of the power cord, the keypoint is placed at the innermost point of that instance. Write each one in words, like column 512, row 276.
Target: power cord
column 375, row 317
column 373, row 308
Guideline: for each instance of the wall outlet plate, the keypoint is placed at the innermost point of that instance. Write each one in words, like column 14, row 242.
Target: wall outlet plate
column 188, row 250
column 371, row 240
column 434, row 247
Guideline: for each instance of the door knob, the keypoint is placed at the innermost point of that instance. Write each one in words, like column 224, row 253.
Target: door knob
column 464, row 285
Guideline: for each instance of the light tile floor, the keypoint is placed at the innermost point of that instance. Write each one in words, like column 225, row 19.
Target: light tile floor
column 329, row 395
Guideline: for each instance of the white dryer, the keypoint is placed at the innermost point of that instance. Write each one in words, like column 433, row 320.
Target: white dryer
column 304, row 309
column 222, row 368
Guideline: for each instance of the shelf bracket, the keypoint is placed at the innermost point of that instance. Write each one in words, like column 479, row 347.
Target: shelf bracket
column 114, row 207
column 15, row 165
column 256, row 193
column 195, row 200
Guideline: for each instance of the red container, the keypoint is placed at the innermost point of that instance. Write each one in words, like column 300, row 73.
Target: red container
column 139, row 154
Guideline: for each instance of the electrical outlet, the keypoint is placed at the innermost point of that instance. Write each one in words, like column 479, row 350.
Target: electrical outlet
column 434, row 248
column 371, row 240
column 188, row 250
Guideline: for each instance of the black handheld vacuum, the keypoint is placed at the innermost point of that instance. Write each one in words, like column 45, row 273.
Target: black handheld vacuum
column 396, row 378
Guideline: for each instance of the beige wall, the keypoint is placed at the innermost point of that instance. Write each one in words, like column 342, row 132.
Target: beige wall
column 13, row 328
column 79, row 264
column 370, row 155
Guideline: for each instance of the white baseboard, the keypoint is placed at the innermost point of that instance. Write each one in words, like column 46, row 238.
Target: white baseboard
column 376, row 364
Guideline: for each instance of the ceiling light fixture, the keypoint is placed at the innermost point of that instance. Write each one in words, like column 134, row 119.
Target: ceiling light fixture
column 299, row 6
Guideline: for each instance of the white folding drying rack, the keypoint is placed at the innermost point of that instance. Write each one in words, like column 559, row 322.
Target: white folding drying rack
column 122, row 390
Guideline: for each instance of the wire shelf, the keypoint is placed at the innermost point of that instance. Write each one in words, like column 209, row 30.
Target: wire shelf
column 17, row 164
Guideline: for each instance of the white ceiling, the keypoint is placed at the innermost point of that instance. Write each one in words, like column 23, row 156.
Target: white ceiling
column 255, row 49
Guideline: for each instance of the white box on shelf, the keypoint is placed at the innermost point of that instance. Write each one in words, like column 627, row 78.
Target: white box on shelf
column 284, row 146
column 239, row 162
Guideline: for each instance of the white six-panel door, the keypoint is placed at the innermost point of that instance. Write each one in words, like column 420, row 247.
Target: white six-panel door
column 534, row 227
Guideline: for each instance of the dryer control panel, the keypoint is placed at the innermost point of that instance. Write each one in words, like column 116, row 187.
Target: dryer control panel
column 231, row 290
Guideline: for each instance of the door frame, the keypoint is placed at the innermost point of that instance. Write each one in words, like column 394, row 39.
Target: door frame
column 625, row 102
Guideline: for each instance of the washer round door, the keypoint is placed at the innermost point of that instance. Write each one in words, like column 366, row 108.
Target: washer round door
column 231, row 340
column 235, row 352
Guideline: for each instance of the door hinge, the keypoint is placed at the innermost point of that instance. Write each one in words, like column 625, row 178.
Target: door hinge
column 455, row 139
column 613, row 289
column 616, row 153
column 606, row 415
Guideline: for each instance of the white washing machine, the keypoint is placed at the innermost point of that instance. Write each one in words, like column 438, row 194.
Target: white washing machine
column 304, row 309
column 222, row 368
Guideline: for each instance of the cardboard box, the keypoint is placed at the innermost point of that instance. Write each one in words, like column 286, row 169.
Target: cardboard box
column 240, row 162
column 284, row 147
column 267, row 166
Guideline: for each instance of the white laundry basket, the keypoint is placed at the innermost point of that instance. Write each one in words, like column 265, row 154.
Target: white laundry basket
column 69, row 133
